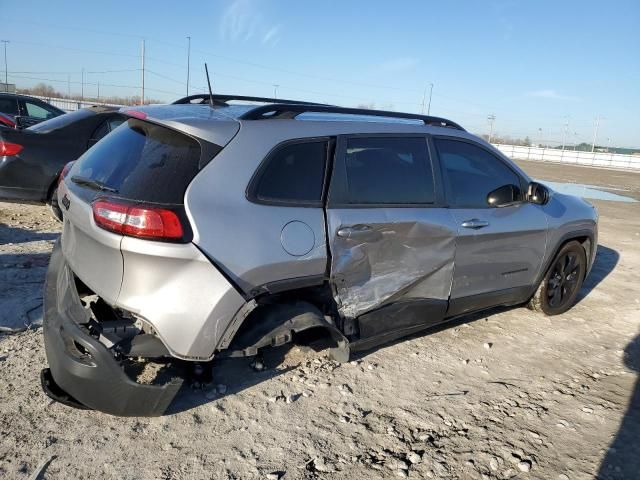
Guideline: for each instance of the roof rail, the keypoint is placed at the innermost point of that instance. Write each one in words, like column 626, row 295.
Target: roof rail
column 286, row 110
column 221, row 100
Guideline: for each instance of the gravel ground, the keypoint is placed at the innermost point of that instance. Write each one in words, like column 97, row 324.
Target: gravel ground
column 507, row 394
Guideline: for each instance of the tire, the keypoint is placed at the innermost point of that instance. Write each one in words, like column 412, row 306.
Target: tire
column 55, row 207
column 561, row 284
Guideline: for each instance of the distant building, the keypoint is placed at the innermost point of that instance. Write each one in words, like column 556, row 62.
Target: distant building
column 7, row 87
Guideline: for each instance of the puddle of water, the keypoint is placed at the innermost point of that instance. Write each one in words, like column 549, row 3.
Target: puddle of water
column 587, row 191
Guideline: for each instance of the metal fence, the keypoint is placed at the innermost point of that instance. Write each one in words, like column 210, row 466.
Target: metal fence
column 592, row 159
column 69, row 105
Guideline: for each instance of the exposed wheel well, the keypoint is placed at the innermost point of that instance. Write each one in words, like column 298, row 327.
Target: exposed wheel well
column 306, row 315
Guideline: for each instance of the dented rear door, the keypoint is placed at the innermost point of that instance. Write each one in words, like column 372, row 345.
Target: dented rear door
column 392, row 242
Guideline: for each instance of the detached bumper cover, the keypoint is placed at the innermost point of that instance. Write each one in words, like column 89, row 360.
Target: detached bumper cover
column 83, row 367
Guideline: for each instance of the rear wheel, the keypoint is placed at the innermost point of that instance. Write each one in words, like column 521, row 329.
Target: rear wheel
column 559, row 288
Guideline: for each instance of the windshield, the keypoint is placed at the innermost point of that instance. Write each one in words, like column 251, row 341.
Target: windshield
column 61, row 121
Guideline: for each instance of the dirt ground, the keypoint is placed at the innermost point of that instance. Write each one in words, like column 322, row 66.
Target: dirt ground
column 508, row 394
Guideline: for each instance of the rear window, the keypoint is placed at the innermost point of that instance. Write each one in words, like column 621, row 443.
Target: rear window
column 143, row 162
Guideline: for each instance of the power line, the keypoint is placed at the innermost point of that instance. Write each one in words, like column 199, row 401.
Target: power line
column 55, row 80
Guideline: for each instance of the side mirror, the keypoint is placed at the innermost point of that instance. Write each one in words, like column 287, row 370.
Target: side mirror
column 537, row 193
column 505, row 195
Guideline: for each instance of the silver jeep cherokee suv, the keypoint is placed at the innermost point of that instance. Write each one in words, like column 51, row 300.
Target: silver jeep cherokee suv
column 196, row 231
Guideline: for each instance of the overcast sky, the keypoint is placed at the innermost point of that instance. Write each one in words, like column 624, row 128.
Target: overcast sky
column 535, row 65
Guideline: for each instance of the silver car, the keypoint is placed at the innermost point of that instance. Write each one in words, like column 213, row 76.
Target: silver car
column 209, row 228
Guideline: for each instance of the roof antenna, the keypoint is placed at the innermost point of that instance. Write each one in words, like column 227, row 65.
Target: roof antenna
column 206, row 69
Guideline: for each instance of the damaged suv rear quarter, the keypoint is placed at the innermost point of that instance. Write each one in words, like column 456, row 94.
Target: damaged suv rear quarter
column 201, row 231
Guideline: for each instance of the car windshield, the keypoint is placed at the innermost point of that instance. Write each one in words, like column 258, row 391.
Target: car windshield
column 61, row 121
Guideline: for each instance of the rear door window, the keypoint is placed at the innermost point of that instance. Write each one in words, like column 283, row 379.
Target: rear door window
column 292, row 174
column 142, row 161
column 385, row 171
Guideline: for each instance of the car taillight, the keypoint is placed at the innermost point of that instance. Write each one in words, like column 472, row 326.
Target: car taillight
column 7, row 121
column 65, row 170
column 8, row 149
column 137, row 221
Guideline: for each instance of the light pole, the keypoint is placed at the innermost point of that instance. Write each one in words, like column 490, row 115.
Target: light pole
column 188, row 62
column 491, row 119
column 430, row 95
column 6, row 70
column 275, row 90
column 564, row 138
column 539, row 137
column 142, row 99
column 595, row 134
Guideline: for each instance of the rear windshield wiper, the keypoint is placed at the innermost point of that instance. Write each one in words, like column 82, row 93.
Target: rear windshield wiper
column 91, row 183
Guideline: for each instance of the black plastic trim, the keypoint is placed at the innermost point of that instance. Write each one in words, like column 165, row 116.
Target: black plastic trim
column 482, row 301
column 282, row 110
column 91, row 376
column 289, row 284
column 221, row 100
column 401, row 315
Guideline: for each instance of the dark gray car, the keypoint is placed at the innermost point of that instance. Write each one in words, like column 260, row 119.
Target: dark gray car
column 194, row 232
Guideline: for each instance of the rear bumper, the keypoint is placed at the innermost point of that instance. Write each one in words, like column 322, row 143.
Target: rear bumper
column 80, row 365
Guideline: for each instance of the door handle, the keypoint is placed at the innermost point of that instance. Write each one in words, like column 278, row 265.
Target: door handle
column 475, row 223
column 355, row 231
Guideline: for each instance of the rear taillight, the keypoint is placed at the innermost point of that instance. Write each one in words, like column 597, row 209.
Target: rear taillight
column 7, row 121
column 137, row 221
column 65, row 170
column 8, row 149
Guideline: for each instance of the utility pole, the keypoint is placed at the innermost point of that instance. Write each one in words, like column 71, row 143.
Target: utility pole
column 430, row 94
column 69, row 86
column 540, row 137
column 595, row 134
column 275, row 90
column 566, row 129
column 491, row 119
column 142, row 99
column 98, row 91
column 188, row 62
column 6, row 70
column 82, row 87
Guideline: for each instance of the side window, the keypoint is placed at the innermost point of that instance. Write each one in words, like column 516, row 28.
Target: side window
column 38, row 111
column 470, row 173
column 388, row 170
column 9, row 106
column 294, row 173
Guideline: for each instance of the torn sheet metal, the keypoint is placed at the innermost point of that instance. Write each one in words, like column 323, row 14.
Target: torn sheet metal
column 407, row 253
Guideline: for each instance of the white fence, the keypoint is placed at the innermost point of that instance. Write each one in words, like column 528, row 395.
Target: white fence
column 595, row 159
column 69, row 105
